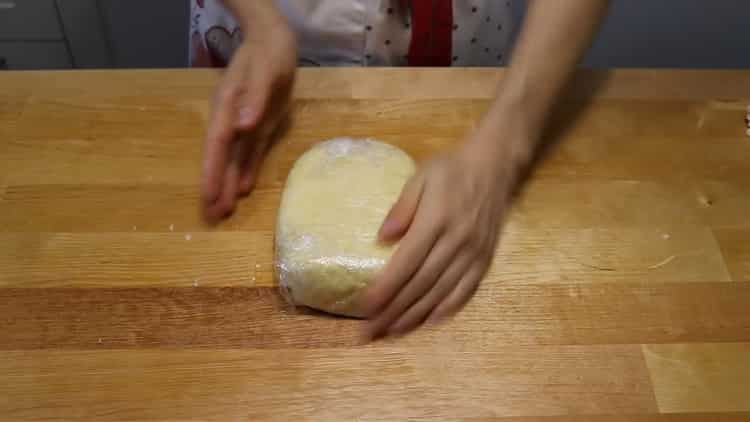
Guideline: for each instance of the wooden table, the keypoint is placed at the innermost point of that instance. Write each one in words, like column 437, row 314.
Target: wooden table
column 620, row 286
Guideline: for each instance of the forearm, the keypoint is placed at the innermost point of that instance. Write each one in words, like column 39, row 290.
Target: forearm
column 554, row 38
column 248, row 12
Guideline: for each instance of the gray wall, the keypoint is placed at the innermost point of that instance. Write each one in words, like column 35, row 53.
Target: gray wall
column 674, row 33
column 147, row 33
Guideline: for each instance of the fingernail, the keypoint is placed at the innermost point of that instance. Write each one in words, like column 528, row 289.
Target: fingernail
column 246, row 116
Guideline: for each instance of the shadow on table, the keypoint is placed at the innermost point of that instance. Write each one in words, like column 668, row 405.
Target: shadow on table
column 579, row 94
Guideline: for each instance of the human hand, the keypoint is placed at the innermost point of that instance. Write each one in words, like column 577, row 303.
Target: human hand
column 448, row 219
column 249, row 104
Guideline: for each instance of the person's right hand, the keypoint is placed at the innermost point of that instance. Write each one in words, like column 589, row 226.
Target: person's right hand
column 249, row 104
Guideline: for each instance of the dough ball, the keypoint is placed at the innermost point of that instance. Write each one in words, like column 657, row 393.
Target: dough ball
column 335, row 200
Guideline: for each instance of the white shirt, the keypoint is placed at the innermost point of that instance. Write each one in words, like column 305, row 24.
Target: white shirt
column 359, row 32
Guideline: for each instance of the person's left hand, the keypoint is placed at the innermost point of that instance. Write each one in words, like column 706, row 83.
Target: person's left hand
column 448, row 219
column 250, row 104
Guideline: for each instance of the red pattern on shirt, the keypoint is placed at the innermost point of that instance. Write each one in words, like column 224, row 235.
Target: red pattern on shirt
column 432, row 27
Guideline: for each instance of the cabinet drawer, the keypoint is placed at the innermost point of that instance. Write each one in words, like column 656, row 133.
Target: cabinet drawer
column 34, row 55
column 29, row 20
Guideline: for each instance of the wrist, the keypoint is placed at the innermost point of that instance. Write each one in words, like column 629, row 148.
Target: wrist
column 500, row 152
column 506, row 134
column 257, row 16
column 265, row 27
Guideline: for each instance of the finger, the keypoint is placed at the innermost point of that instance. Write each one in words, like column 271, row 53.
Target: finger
column 461, row 294
column 419, row 311
column 216, row 156
column 225, row 204
column 407, row 258
column 228, row 198
column 253, row 104
column 221, row 132
column 402, row 213
column 264, row 136
column 426, row 277
column 251, row 167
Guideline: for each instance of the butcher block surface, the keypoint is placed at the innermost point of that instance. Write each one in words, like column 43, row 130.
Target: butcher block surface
column 620, row 289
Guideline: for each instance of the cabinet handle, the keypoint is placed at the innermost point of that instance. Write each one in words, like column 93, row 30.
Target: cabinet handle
column 7, row 4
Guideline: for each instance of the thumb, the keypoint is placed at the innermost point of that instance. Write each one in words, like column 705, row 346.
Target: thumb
column 402, row 213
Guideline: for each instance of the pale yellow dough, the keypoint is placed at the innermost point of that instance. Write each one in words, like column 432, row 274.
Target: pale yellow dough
column 336, row 197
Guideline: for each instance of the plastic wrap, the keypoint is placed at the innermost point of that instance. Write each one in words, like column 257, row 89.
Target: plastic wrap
column 336, row 197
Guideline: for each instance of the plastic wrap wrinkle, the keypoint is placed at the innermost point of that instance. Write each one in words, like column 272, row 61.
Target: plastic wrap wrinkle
column 336, row 197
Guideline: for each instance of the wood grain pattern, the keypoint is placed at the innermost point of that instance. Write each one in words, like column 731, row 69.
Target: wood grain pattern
column 736, row 250
column 171, row 258
column 671, row 417
column 616, row 294
column 40, row 153
column 526, row 255
column 693, row 377
column 371, row 383
column 201, row 317
column 578, row 204
column 531, row 255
